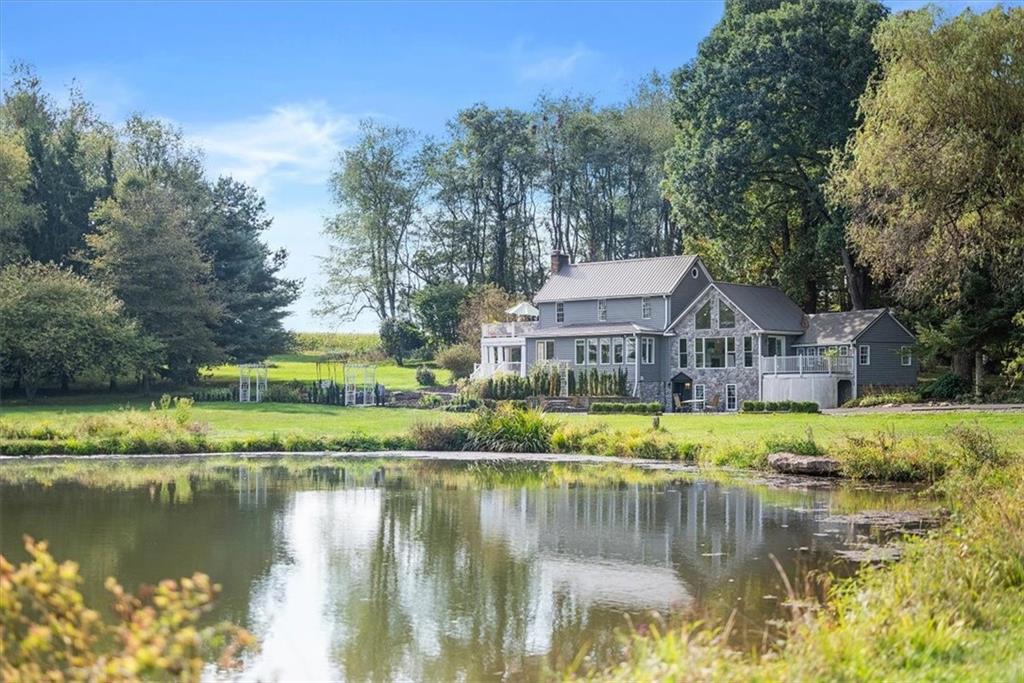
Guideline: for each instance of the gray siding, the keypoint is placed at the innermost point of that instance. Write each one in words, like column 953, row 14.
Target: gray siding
column 619, row 311
column 565, row 350
column 687, row 290
column 886, row 337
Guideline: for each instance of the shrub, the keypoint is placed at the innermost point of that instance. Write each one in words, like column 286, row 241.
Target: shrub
column 652, row 408
column 571, row 437
column 507, row 430
column 885, row 456
column 459, row 360
column 430, row 401
column 946, row 387
column 753, row 406
column 288, row 392
column 439, row 436
column 50, row 634
column 780, row 406
column 424, row 377
column 801, row 446
column 885, row 398
column 635, row 443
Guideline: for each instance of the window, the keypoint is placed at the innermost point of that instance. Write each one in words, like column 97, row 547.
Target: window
column 906, row 356
column 559, row 312
column 730, row 397
column 606, row 351
column 748, row 352
column 694, row 273
column 581, row 352
column 617, row 351
column 864, row 354
column 647, row 350
column 776, row 346
column 645, row 308
column 844, row 351
column 726, row 316
column 591, row 352
column 730, row 352
column 710, row 352
column 703, row 319
column 602, row 310
column 698, row 393
column 546, row 350
column 684, row 357
column 630, row 349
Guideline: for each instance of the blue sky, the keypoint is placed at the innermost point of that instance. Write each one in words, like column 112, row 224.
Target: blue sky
column 273, row 91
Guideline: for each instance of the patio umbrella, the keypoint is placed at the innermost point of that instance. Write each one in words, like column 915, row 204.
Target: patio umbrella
column 523, row 308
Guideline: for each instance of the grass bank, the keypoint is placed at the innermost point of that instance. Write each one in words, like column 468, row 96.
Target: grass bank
column 303, row 367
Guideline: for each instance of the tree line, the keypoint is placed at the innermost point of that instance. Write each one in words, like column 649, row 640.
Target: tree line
column 119, row 256
column 810, row 145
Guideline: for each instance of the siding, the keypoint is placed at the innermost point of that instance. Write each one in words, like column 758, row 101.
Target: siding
column 619, row 311
column 687, row 290
column 565, row 350
column 885, row 337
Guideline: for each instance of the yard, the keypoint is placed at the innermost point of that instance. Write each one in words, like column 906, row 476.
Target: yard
column 303, row 367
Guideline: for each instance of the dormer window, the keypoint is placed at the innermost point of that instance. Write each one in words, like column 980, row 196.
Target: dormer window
column 726, row 316
column 645, row 308
column 602, row 310
column 703, row 319
column 559, row 312
column 694, row 273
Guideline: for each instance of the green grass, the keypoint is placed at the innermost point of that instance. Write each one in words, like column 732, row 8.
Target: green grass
column 303, row 367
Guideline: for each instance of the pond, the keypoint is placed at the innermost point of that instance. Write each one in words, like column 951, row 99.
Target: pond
column 434, row 570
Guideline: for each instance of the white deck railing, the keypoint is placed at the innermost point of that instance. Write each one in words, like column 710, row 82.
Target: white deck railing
column 807, row 365
column 485, row 370
column 509, row 329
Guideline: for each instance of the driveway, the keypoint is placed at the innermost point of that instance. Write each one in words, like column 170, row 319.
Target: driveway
column 930, row 408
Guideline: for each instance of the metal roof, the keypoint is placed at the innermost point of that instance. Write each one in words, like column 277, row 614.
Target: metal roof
column 654, row 276
column 838, row 328
column 768, row 307
column 590, row 330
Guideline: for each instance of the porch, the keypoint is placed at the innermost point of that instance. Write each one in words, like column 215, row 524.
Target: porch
column 807, row 365
column 829, row 381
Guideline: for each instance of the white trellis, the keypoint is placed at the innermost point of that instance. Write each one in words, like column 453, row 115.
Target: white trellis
column 252, row 382
column 360, row 384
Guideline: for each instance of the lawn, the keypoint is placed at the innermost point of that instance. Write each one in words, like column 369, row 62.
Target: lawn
column 303, row 367
column 232, row 420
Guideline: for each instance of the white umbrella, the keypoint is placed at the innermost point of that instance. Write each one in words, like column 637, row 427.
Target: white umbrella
column 523, row 308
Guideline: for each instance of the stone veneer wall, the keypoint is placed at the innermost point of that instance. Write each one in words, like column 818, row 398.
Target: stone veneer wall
column 747, row 380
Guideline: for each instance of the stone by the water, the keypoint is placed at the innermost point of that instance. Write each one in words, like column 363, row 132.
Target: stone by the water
column 816, row 465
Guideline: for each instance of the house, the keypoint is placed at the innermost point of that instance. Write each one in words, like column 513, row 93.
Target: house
column 686, row 340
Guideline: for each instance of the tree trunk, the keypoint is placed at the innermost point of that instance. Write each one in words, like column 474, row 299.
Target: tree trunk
column 962, row 364
column 979, row 373
column 858, row 281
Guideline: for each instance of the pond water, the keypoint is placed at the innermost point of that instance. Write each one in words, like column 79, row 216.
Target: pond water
column 397, row 570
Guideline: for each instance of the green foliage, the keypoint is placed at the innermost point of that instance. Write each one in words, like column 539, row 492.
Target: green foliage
column 597, row 439
column 887, row 457
column 424, row 377
column 49, row 633
column 58, row 325
column 653, row 408
column 883, row 398
column 399, row 338
column 946, row 387
column 780, row 407
column 509, row 430
column 458, row 359
column 594, row 382
column 439, row 436
column 358, row 347
column 436, row 308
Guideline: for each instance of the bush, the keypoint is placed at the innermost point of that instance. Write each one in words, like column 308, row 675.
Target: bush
column 884, row 456
column 399, row 339
column 430, row 401
column 439, row 436
column 652, row 408
column 288, row 392
column 425, row 377
column 753, row 406
column 635, row 443
column 459, row 360
column 780, row 407
column 507, row 430
column 50, row 634
column 881, row 399
column 946, row 387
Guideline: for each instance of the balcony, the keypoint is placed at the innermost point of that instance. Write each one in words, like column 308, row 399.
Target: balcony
column 807, row 365
column 508, row 329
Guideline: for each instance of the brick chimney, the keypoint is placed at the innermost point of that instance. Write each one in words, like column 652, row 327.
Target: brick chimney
column 559, row 260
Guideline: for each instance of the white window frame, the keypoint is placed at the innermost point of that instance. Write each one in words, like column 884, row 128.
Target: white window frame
column 864, row 354
column 581, row 352
column 542, row 349
column 748, row 351
column 735, row 398
column 592, row 351
column 645, row 308
column 605, row 356
column 844, row 351
column 618, row 354
column 630, row 349
column 722, row 325
column 647, row 350
column 559, row 312
column 682, row 353
column 730, row 343
column 711, row 318
column 602, row 310
column 700, row 353
column 699, row 393
column 906, row 356
column 780, row 342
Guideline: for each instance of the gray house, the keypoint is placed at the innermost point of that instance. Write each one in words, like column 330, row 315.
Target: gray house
column 688, row 341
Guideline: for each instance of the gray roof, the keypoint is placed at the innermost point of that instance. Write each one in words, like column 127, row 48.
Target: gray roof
column 655, row 276
column 590, row 330
column 838, row 328
column 768, row 307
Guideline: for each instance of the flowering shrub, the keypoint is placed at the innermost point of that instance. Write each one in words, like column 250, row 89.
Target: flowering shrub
column 48, row 633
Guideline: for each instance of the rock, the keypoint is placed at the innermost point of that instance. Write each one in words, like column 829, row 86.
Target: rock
column 815, row 465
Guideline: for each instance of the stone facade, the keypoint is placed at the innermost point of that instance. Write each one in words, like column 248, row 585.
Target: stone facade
column 747, row 380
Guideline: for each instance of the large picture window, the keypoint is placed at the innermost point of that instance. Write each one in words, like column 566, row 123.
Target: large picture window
column 715, row 352
column 726, row 316
column 647, row 350
column 748, row 352
column 630, row 349
column 581, row 352
column 592, row 351
column 684, row 357
column 546, row 350
column 617, row 351
column 703, row 319
column 606, row 351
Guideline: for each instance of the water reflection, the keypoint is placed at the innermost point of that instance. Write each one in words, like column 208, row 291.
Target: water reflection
column 430, row 571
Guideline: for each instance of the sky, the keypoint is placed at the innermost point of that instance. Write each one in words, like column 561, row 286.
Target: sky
column 272, row 92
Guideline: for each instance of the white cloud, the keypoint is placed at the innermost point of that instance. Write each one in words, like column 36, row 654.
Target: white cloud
column 548, row 64
column 293, row 143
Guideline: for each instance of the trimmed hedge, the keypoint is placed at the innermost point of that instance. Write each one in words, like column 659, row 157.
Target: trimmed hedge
column 653, row 408
column 780, row 407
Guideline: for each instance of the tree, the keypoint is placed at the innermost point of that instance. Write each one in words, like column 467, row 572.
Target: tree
column 246, row 273
column 933, row 179
column 761, row 110
column 399, row 338
column 436, row 308
column 459, row 359
column 58, row 325
column 377, row 188
column 485, row 304
column 17, row 218
column 143, row 250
